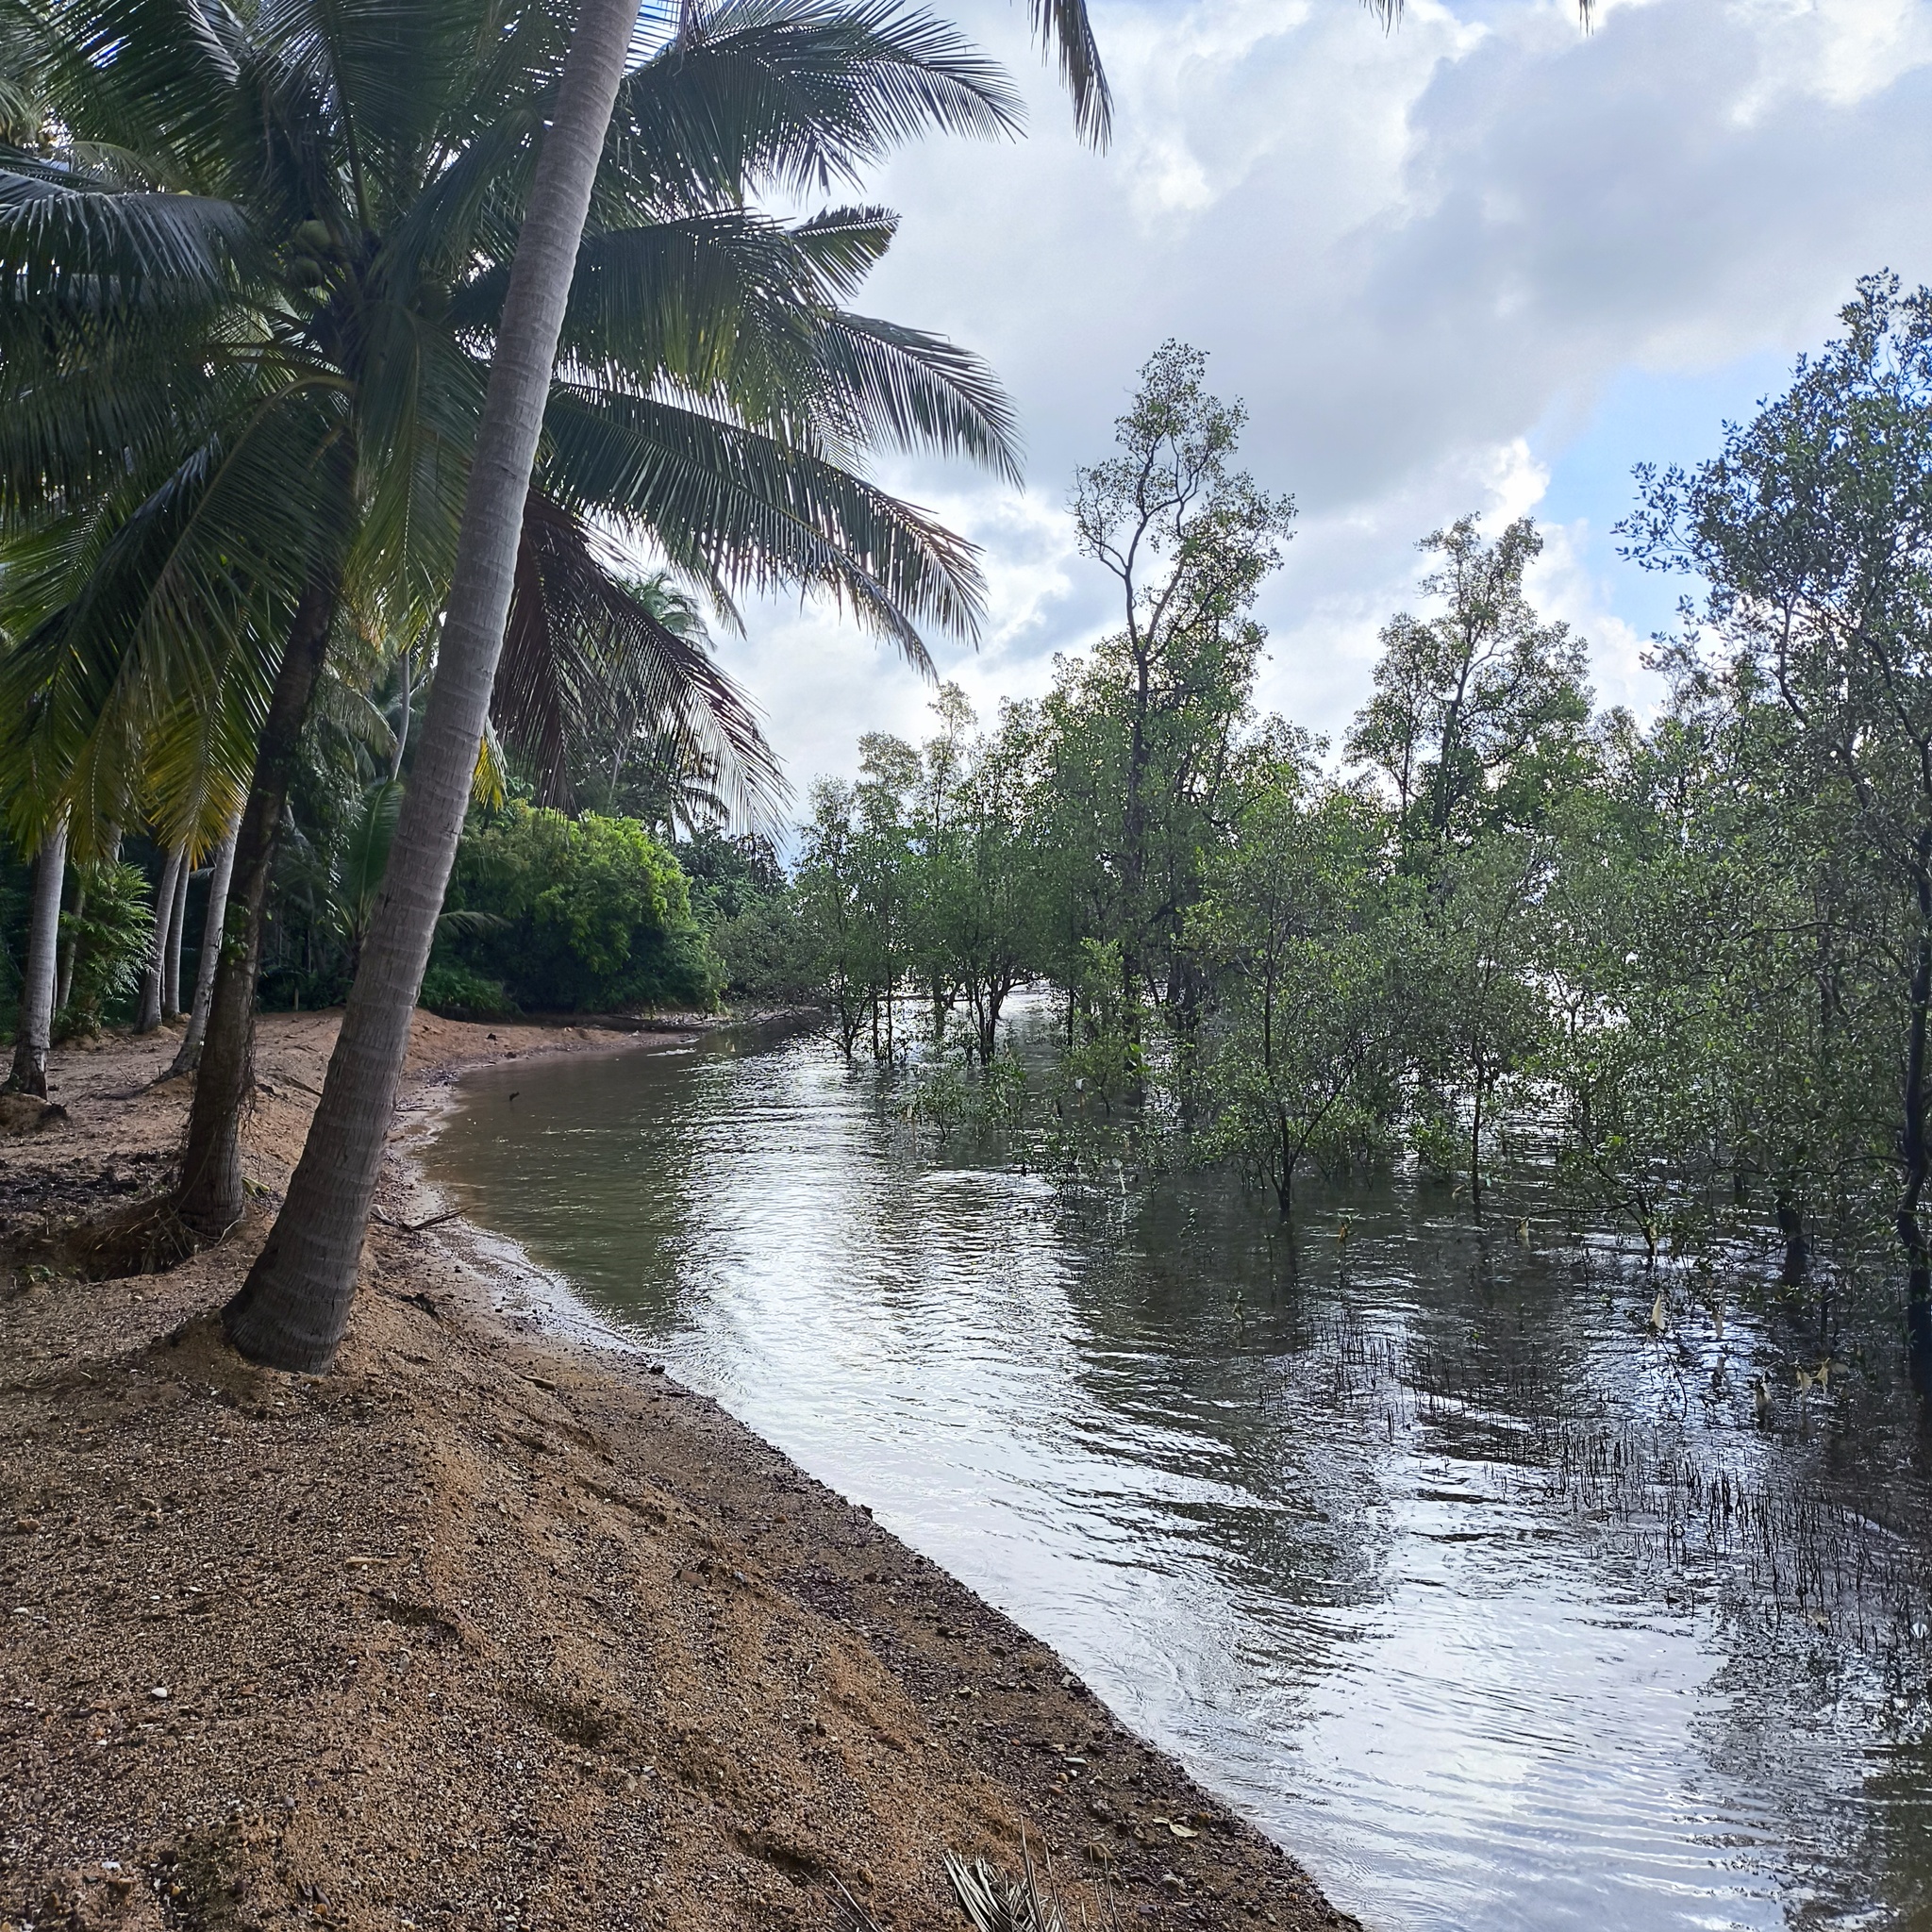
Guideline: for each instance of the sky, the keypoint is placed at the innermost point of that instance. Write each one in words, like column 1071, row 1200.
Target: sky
column 1485, row 262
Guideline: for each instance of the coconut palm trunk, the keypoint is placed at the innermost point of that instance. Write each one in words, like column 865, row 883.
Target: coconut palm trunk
column 294, row 1305
column 66, row 946
column 210, row 951
column 155, row 972
column 29, row 1073
column 209, row 1196
column 177, row 923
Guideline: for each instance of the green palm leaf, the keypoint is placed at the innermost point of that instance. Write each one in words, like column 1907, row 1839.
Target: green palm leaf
column 582, row 643
column 799, row 93
column 1062, row 26
column 79, row 248
column 736, row 509
column 900, row 388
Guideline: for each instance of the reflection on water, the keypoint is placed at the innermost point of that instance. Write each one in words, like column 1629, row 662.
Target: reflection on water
column 1416, row 1545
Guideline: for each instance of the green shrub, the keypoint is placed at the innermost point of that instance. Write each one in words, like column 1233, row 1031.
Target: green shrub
column 457, row 993
column 766, row 951
column 588, row 914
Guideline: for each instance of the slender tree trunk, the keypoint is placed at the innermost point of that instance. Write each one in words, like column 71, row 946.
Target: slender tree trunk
column 395, row 764
column 65, row 949
column 153, row 972
column 29, row 1072
column 1791, row 1225
column 1134, row 848
column 177, row 927
column 209, row 1197
column 211, row 923
column 293, row 1309
column 1914, row 1153
column 1475, row 1151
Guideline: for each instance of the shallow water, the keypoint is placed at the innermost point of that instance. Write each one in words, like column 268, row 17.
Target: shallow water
column 1413, row 1544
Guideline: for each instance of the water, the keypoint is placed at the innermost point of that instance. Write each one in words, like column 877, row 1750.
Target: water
column 1415, row 1545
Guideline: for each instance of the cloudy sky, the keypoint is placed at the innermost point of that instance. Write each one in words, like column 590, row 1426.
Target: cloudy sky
column 1487, row 263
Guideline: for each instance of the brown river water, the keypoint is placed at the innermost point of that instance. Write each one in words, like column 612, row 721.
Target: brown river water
column 1414, row 1541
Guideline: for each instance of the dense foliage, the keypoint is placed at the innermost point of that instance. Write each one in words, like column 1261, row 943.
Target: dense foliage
column 1689, row 961
column 587, row 914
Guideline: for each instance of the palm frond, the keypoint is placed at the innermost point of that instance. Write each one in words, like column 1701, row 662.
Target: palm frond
column 379, row 73
column 800, row 93
column 92, row 418
column 736, row 509
column 78, row 248
column 735, row 307
column 116, row 613
column 884, row 384
column 419, row 402
column 582, row 642
column 678, row 298
column 148, row 78
column 490, row 781
column 196, row 759
column 1062, row 26
column 365, row 853
column 845, row 244
column 339, row 705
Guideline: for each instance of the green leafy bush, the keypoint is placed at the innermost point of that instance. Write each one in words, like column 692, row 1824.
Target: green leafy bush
column 457, row 993
column 589, row 915
column 765, row 951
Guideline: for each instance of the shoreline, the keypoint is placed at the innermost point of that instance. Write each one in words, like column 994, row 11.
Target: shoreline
column 493, row 1626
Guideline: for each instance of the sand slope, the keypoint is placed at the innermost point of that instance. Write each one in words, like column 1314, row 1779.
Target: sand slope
column 485, row 1629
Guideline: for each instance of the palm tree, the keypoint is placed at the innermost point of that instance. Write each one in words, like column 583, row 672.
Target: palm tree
column 29, row 1073
column 183, row 765
column 246, row 321
column 188, row 1057
column 293, row 1306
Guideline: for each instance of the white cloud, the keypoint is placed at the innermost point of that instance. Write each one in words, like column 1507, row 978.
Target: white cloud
column 1407, row 253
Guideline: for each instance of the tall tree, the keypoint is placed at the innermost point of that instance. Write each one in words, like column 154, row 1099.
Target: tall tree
column 293, row 1308
column 34, row 1033
column 1812, row 530
column 1305, row 934
column 213, row 920
column 360, row 173
column 1473, row 707
column 155, row 972
column 1189, row 540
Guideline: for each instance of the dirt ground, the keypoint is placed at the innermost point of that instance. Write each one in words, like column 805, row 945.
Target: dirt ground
column 485, row 1629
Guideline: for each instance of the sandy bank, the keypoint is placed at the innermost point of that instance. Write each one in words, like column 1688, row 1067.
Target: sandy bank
column 486, row 1629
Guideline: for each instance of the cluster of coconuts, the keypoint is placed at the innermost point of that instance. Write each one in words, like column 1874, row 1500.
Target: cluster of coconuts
column 311, row 247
